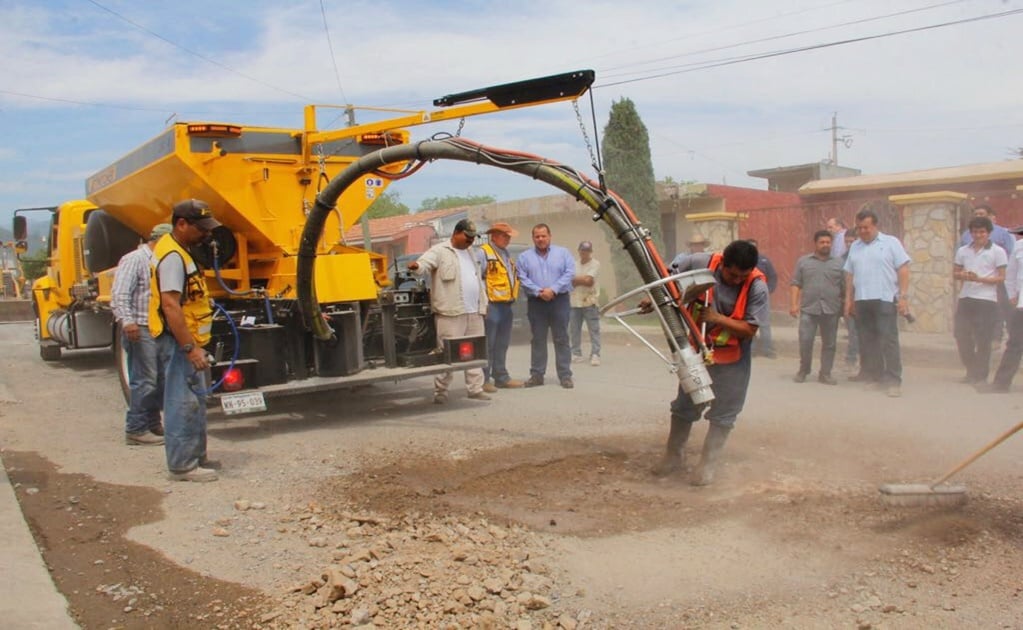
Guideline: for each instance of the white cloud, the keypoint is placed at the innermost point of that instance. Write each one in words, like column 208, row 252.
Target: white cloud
column 957, row 82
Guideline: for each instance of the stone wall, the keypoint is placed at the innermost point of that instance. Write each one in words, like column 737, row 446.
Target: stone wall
column 930, row 236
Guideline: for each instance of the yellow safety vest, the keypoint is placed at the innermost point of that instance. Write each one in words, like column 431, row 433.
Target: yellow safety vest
column 502, row 283
column 195, row 299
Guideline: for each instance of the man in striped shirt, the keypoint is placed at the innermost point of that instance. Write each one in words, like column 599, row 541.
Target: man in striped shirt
column 129, row 301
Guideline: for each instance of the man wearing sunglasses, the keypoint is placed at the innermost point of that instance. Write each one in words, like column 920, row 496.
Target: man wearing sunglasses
column 458, row 299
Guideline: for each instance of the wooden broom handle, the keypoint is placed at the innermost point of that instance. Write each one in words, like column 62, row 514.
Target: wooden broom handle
column 972, row 458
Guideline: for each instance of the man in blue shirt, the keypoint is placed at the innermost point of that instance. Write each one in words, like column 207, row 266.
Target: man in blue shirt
column 546, row 273
column 876, row 285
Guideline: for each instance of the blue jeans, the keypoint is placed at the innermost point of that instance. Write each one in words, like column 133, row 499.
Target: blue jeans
column 591, row 315
column 550, row 316
column 184, row 408
column 808, row 326
column 878, row 328
column 730, row 382
column 498, row 328
column 145, row 380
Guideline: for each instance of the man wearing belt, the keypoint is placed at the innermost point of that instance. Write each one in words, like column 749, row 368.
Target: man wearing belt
column 546, row 273
column 457, row 298
column 180, row 319
column 502, row 286
column 129, row 301
column 876, row 284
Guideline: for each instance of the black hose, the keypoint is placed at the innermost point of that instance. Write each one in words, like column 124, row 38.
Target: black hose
column 632, row 235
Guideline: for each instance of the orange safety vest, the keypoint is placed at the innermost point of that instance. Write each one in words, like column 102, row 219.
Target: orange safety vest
column 725, row 344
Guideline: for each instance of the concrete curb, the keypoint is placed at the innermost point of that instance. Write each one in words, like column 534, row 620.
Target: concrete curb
column 28, row 597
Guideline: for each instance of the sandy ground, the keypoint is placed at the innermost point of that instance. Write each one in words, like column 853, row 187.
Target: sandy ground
column 375, row 507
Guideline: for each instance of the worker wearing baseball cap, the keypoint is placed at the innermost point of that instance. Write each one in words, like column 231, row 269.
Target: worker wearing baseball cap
column 584, row 305
column 457, row 298
column 180, row 319
column 502, row 287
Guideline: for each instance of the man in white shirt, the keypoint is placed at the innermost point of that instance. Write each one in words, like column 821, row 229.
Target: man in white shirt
column 980, row 266
column 458, row 299
column 1013, row 353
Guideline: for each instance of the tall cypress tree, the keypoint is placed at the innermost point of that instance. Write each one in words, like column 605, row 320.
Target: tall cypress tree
column 629, row 172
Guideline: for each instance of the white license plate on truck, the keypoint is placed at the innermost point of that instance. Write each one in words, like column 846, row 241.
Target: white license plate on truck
column 242, row 402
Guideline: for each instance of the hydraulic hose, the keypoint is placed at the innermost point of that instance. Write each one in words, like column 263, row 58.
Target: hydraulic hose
column 607, row 207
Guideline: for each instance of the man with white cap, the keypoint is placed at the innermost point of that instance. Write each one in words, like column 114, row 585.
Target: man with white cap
column 129, row 301
column 584, row 305
column 502, row 285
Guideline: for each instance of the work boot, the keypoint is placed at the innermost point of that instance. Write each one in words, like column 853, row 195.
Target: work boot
column 489, row 388
column 674, row 460
column 717, row 435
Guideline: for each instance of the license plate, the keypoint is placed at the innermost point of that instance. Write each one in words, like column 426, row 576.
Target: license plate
column 242, row 402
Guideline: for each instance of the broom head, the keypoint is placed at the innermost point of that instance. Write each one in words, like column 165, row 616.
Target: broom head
column 921, row 494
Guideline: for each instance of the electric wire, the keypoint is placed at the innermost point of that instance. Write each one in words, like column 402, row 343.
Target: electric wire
column 686, row 68
column 198, row 55
column 786, row 35
column 333, row 58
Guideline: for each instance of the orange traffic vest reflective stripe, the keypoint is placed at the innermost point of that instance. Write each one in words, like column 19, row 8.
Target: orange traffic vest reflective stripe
column 502, row 283
column 725, row 344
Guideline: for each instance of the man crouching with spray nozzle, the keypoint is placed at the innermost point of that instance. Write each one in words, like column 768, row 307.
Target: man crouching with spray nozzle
column 736, row 307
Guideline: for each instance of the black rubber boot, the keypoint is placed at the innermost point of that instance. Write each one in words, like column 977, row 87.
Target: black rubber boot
column 717, row 435
column 674, row 459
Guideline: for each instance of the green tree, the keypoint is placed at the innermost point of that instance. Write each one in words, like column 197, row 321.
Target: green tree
column 629, row 172
column 454, row 201
column 34, row 264
column 387, row 205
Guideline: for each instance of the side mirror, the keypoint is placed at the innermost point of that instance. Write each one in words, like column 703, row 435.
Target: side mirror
column 20, row 228
column 20, row 234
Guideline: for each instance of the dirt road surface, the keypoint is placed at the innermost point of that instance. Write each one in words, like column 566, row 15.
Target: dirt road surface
column 378, row 508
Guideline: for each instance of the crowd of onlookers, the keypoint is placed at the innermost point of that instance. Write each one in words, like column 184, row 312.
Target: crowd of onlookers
column 864, row 278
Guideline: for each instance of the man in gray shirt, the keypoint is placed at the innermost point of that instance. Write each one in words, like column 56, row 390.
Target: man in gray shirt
column 817, row 288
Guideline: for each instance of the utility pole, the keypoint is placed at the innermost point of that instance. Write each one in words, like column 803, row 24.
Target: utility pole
column 835, row 139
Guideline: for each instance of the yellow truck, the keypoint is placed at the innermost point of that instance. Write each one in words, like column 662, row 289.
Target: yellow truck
column 261, row 183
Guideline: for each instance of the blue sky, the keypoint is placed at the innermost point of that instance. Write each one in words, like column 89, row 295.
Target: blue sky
column 85, row 82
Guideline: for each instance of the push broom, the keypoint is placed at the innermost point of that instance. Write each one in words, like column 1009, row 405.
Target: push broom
column 936, row 494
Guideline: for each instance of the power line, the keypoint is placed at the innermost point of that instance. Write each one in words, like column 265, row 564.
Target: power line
column 198, row 55
column 333, row 58
column 792, row 34
column 723, row 29
column 693, row 67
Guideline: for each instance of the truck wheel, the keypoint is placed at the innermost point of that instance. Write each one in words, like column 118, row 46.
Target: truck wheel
column 49, row 350
column 121, row 357
column 106, row 240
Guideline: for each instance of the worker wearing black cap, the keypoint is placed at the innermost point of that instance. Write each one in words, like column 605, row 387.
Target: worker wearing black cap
column 181, row 317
